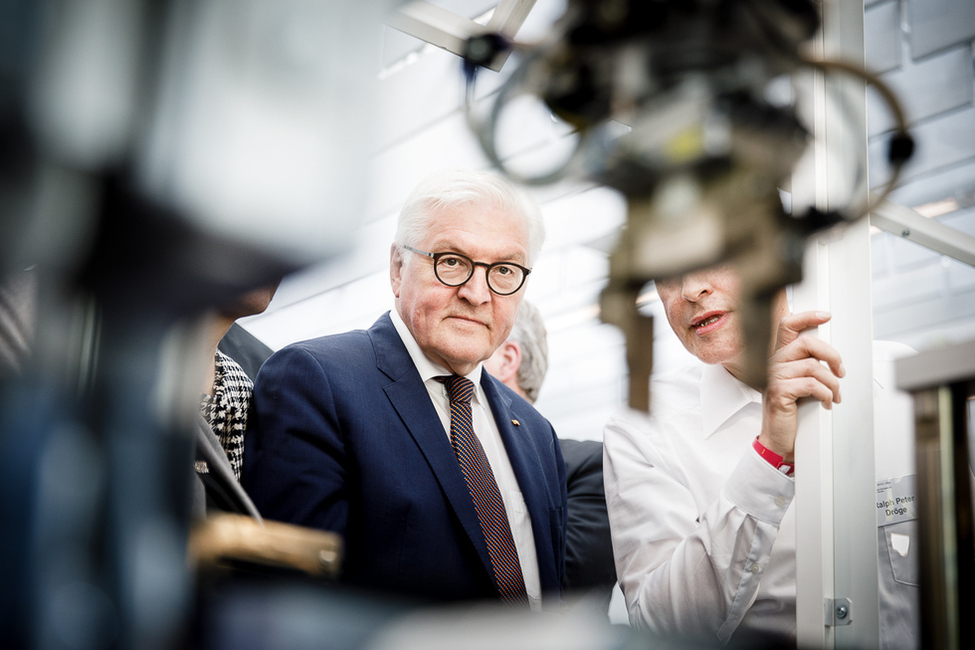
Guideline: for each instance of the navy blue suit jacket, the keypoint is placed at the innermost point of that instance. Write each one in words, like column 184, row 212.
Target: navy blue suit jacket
column 348, row 440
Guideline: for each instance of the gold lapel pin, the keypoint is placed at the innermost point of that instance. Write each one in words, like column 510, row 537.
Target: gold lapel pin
column 516, row 423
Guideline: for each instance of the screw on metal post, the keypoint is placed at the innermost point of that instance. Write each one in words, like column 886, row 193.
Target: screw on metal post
column 838, row 612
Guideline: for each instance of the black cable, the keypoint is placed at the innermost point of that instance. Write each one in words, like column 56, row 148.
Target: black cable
column 486, row 131
column 901, row 147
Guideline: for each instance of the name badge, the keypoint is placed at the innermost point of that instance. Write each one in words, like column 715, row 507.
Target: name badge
column 896, row 500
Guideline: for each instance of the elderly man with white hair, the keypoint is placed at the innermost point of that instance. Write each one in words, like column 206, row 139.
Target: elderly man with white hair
column 444, row 484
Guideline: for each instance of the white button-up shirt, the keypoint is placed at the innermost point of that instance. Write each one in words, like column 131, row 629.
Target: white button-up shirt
column 695, row 513
column 486, row 430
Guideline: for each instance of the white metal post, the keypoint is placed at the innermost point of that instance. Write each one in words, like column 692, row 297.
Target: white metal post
column 814, row 496
column 836, row 545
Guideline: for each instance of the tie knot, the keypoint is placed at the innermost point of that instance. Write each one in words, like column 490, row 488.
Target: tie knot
column 459, row 389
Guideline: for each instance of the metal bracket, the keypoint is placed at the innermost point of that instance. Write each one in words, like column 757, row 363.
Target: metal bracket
column 837, row 611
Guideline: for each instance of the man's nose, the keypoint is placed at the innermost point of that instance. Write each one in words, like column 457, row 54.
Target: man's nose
column 476, row 290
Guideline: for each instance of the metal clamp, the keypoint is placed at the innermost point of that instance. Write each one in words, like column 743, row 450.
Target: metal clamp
column 837, row 611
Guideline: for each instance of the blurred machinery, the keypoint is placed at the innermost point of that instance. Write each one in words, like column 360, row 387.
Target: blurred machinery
column 673, row 104
column 159, row 157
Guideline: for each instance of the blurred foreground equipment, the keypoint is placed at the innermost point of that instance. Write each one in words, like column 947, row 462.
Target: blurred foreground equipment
column 228, row 539
column 159, row 157
column 671, row 103
column 942, row 383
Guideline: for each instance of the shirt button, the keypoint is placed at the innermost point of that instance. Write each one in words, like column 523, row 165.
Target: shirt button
column 754, row 568
column 780, row 501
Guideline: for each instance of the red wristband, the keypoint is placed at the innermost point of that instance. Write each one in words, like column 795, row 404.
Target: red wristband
column 774, row 459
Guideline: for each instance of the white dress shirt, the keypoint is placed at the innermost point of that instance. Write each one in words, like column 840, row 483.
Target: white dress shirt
column 695, row 513
column 703, row 528
column 486, row 430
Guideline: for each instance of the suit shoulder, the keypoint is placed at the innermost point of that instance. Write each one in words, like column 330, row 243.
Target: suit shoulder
column 582, row 456
column 334, row 351
column 581, row 451
column 332, row 344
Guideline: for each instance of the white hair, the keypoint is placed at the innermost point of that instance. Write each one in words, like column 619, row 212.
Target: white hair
column 529, row 332
column 451, row 188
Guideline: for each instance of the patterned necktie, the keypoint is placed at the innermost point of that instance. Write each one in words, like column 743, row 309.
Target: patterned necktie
column 484, row 491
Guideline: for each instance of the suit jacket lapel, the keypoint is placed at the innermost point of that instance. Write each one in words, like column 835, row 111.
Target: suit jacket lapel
column 412, row 402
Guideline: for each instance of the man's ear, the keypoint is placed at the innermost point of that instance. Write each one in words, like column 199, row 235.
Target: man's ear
column 510, row 361
column 395, row 269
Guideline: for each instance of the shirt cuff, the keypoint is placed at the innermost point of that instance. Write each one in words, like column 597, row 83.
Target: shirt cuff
column 759, row 489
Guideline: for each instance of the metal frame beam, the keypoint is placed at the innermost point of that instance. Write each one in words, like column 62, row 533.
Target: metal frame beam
column 907, row 223
column 449, row 31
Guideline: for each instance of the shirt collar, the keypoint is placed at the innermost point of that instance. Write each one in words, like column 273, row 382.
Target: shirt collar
column 722, row 396
column 424, row 365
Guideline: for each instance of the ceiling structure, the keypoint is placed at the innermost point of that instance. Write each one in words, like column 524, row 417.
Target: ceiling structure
column 922, row 48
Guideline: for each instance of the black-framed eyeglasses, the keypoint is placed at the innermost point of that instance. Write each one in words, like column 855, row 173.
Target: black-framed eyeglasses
column 454, row 269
